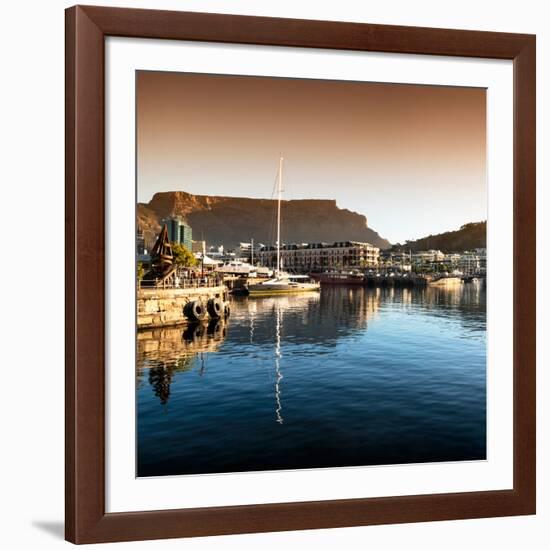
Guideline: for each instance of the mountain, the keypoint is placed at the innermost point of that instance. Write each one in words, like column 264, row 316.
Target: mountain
column 231, row 220
column 469, row 236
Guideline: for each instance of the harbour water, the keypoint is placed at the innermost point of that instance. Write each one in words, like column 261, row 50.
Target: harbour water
column 344, row 377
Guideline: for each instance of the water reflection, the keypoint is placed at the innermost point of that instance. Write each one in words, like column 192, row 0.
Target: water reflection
column 165, row 351
column 321, row 319
column 334, row 313
column 278, row 374
column 346, row 376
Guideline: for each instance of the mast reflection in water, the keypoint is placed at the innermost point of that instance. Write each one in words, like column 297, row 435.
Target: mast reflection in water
column 347, row 377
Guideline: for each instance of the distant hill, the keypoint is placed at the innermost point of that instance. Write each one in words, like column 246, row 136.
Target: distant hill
column 469, row 236
column 231, row 220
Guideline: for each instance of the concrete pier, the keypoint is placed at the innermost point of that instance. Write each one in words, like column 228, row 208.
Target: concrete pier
column 159, row 307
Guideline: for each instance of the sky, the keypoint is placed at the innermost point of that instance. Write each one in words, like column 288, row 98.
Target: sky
column 411, row 158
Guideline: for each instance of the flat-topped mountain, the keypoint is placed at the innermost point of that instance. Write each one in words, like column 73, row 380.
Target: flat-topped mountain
column 231, row 220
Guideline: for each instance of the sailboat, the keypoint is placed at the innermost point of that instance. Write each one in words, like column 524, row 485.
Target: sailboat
column 282, row 283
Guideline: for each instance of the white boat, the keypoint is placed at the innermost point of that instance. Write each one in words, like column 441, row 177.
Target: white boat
column 264, row 272
column 237, row 268
column 281, row 282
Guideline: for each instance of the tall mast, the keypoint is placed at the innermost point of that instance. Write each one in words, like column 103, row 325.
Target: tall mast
column 279, row 189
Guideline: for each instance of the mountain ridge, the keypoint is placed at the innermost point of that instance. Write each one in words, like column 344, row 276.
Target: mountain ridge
column 467, row 237
column 231, row 220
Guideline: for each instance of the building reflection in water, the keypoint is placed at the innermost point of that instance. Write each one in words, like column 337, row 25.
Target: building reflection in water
column 316, row 318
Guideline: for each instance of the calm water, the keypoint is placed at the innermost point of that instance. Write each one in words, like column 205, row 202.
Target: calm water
column 347, row 377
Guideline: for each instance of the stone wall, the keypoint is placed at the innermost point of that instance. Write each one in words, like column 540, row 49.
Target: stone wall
column 157, row 307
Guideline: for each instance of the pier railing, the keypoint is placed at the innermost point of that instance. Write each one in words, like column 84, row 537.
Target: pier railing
column 187, row 283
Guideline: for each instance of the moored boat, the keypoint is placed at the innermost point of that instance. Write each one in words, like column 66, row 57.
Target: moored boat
column 281, row 282
column 237, row 268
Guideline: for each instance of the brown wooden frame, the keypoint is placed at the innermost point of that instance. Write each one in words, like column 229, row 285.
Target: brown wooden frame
column 86, row 29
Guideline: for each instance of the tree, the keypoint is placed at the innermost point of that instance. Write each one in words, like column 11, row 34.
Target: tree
column 183, row 257
column 140, row 271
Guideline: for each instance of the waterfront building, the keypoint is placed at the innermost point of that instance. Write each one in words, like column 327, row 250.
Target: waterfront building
column 216, row 251
column 179, row 231
column 140, row 242
column 395, row 260
column 474, row 262
column 248, row 252
column 452, row 259
column 198, row 247
column 244, row 252
column 482, row 255
column 427, row 257
column 311, row 257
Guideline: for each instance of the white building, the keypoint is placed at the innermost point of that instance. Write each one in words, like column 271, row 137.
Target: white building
column 308, row 257
column 427, row 257
column 452, row 259
column 395, row 260
column 474, row 262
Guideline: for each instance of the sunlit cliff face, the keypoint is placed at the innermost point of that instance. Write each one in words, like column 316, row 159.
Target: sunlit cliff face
column 230, row 220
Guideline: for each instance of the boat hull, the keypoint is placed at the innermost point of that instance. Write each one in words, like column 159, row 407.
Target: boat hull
column 264, row 289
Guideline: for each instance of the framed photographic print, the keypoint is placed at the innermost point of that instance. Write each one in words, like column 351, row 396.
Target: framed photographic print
column 300, row 274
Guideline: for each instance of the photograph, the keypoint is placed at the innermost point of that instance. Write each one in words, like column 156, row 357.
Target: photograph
column 311, row 266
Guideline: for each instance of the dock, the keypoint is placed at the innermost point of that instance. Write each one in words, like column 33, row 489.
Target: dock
column 163, row 307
